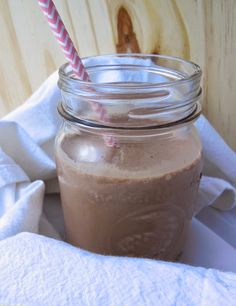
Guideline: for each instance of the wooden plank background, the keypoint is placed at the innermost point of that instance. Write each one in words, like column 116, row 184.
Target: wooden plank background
column 201, row 30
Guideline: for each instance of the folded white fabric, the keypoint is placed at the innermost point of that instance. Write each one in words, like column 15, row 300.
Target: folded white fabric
column 27, row 167
column 26, row 142
column 50, row 272
column 20, row 200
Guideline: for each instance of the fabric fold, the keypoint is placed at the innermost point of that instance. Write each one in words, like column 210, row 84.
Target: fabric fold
column 217, row 193
column 25, row 213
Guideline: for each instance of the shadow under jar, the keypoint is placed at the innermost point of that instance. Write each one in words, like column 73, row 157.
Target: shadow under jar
column 136, row 197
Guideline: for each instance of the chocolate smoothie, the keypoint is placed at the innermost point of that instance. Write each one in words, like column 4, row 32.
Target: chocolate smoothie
column 138, row 204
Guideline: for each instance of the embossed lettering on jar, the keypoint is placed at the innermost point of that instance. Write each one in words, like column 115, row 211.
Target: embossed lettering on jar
column 135, row 198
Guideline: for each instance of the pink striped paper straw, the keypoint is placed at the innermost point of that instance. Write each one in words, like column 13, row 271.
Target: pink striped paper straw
column 68, row 48
column 63, row 38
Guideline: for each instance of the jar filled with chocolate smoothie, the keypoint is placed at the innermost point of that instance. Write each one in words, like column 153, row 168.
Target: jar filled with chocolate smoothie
column 128, row 155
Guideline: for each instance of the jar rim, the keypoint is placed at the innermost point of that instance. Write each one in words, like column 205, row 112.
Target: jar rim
column 197, row 72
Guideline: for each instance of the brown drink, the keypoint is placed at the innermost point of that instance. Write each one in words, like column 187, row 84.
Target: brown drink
column 138, row 204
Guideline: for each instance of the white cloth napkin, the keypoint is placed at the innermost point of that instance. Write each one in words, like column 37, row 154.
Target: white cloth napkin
column 27, row 170
column 56, row 273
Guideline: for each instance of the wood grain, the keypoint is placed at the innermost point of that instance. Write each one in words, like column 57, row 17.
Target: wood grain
column 200, row 30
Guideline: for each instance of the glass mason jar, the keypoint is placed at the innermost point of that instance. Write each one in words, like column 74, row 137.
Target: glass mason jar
column 133, row 195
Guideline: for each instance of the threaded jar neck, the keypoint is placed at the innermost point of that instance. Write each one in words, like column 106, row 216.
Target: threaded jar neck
column 133, row 90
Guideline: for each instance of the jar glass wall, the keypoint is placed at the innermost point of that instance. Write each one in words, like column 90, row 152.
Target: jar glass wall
column 134, row 198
